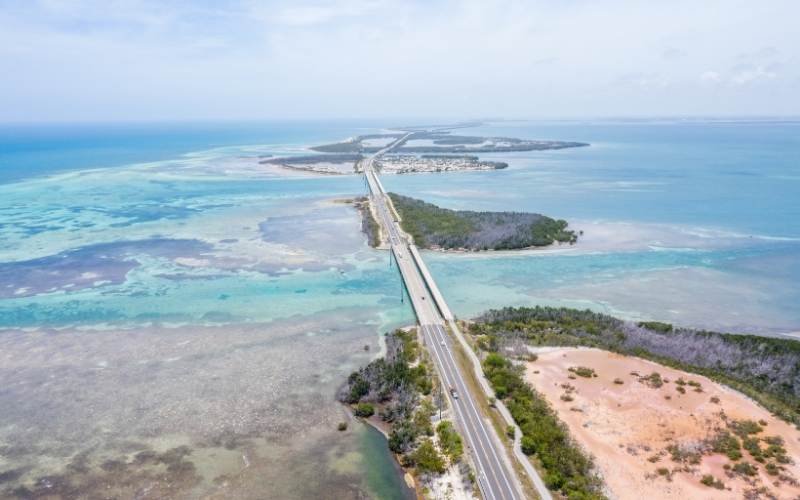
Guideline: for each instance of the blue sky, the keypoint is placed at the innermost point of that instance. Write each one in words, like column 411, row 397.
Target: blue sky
column 247, row 59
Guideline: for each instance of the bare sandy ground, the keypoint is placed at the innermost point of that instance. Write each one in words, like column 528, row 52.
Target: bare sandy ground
column 625, row 426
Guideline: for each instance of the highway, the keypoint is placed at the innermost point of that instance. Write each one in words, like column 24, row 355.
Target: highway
column 494, row 473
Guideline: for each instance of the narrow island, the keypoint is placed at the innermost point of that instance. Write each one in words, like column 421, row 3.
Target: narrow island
column 442, row 142
column 332, row 164
column 433, row 227
column 419, row 151
column 401, row 396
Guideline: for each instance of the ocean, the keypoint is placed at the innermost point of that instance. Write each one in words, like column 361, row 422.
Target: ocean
column 164, row 295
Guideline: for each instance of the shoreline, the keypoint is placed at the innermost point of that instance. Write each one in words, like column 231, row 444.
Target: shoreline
column 647, row 241
column 605, row 236
column 394, row 394
column 408, row 478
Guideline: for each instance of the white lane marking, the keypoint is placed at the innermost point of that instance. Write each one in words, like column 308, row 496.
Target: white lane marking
column 414, row 284
column 475, row 417
column 469, row 423
column 481, row 423
column 480, row 458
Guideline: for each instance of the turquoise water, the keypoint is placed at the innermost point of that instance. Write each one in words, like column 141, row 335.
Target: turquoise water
column 730, row 193
column 132, row 235
column 198, row 280
column 716, row 207
column 744, row 177
column 383, row 477
column 197, row 284
column 35, row 149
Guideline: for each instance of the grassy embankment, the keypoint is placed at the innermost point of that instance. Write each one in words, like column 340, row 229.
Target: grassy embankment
column 435, row 227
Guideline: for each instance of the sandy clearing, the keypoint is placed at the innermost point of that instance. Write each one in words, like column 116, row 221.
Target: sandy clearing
column 623, row 425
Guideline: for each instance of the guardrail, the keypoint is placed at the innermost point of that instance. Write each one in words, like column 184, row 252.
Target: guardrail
column 523, row 459
column 438, row 299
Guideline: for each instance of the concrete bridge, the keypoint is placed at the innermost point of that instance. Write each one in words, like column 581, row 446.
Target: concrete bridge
column 495, row 474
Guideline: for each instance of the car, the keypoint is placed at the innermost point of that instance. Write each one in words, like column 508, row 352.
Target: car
column 453, row 393
column 443, row 342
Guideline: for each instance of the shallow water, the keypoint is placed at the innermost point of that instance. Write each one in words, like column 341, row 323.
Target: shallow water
column 179, row 327
column 197, row 410
column 715, row 206
column 173, row 329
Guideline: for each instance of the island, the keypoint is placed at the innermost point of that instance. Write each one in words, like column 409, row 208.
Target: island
column 433, row 227
column 401, row 395
column 405, row 164
column 415, row 151
column 350, row 163
column 442, row 142
column 331, row 164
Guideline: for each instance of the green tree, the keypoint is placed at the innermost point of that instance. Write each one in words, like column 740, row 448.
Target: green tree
column 450, row 441
column 427, row 459
column 528, row 445
column 364, row 410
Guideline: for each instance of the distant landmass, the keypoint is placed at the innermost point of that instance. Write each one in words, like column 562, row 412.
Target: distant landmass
column 337, row 164
column 435, row 227
column 442, row 142
column 415, row 151
column 410, row 163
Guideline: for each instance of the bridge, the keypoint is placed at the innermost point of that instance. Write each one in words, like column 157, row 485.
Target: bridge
column 495, row 474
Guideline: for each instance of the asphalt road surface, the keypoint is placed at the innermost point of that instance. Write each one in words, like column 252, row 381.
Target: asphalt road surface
column 495, row 476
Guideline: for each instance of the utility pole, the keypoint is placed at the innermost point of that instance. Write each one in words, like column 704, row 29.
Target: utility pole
column 439, row 401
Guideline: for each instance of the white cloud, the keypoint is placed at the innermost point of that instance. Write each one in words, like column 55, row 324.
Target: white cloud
column 740, row 75
column 300, row 16
column 673, row 53
column 754, row 75
column 710, row 77
column 644, row 80
column 98, row 59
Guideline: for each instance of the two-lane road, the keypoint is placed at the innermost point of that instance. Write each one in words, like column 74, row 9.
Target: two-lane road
column 496, row 478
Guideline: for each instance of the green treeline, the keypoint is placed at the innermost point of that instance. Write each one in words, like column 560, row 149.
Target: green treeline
column 567, row 469
column 391, row 387
column 766, row 369
column 432, row 226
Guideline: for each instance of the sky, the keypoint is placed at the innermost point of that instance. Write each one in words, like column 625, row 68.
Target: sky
column 95, row 60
